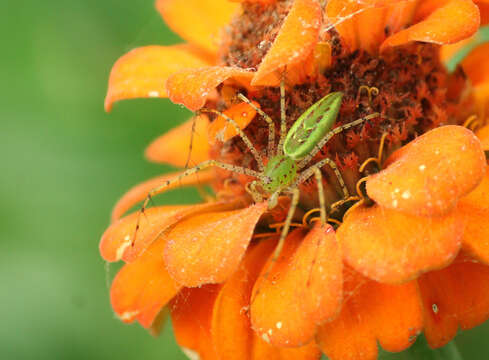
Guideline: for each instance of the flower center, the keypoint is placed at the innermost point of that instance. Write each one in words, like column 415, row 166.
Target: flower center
column 408, row 85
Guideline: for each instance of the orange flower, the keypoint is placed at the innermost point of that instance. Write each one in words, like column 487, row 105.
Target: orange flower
column 407, row 254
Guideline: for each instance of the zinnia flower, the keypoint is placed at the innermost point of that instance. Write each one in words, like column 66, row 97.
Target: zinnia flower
column 406, row 254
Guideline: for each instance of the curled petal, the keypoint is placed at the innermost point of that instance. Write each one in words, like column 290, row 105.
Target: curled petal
column 457, row 296
column 118, row 240
column 389, row 314
column 140, row 192
column 208, row 248
column 475, row 207
column 142, row 288
column 303, row 288
column 455, row 21
column 184, row 145
column 142, row 73
column 294, row 42
column 429, row 175
column 191, row 87
column 222, row 130
column 198, row 21
column 191, row 314
column 392, row 247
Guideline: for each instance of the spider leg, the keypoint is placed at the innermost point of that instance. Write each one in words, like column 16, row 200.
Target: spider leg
column 194, row 122
column 322, row 205
column 306, row 174
column 190, row 171
column 242, row 135
column 268, row 119
column 283, row 119
column 285, row 231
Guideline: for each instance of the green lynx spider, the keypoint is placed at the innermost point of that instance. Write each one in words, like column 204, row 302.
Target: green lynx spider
column 282, row 174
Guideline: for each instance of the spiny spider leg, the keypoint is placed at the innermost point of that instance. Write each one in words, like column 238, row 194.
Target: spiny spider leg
column 283, row 120
column 194, row 122
column 284, row 233
column 268, row 119
column 332, row 133
column 306, row 174
column 242, row 135
column 203, row 165
column 322, row 205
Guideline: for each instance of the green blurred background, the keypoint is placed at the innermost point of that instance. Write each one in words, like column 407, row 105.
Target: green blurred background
column 64, row 163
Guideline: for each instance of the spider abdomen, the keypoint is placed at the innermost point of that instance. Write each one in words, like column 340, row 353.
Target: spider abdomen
column 312, row 126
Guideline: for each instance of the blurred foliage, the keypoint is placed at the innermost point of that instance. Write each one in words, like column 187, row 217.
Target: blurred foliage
column 64, row 164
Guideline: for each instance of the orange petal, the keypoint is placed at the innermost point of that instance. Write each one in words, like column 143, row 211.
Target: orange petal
column 264, row 2
column 475, row 64
column 184, row 145
column 208, row 248
column 303, row 288
column 191, row 87
column 457, row 296
column 483, row 135
column 373, row 20
column 431, row 173
column 232, row 335
column 231, row 328
column 199, row 22
column 351, row 18
column 447, row 52
column 481, row 94
column 475, row 207
column 390, row 314
column 341, row 15
column 242, row 113
column 191, row 314
column 400, row 14
column 426, row 7
column 263, row 350
column 143, row 72
column 455, row 21
column 142, row 288
column 140, row 191
column 294, row 42
column 392, row 247
column 478, row 198
column 117, row 241
column 484, row 9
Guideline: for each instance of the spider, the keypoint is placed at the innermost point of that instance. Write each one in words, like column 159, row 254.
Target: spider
column 286, row 168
